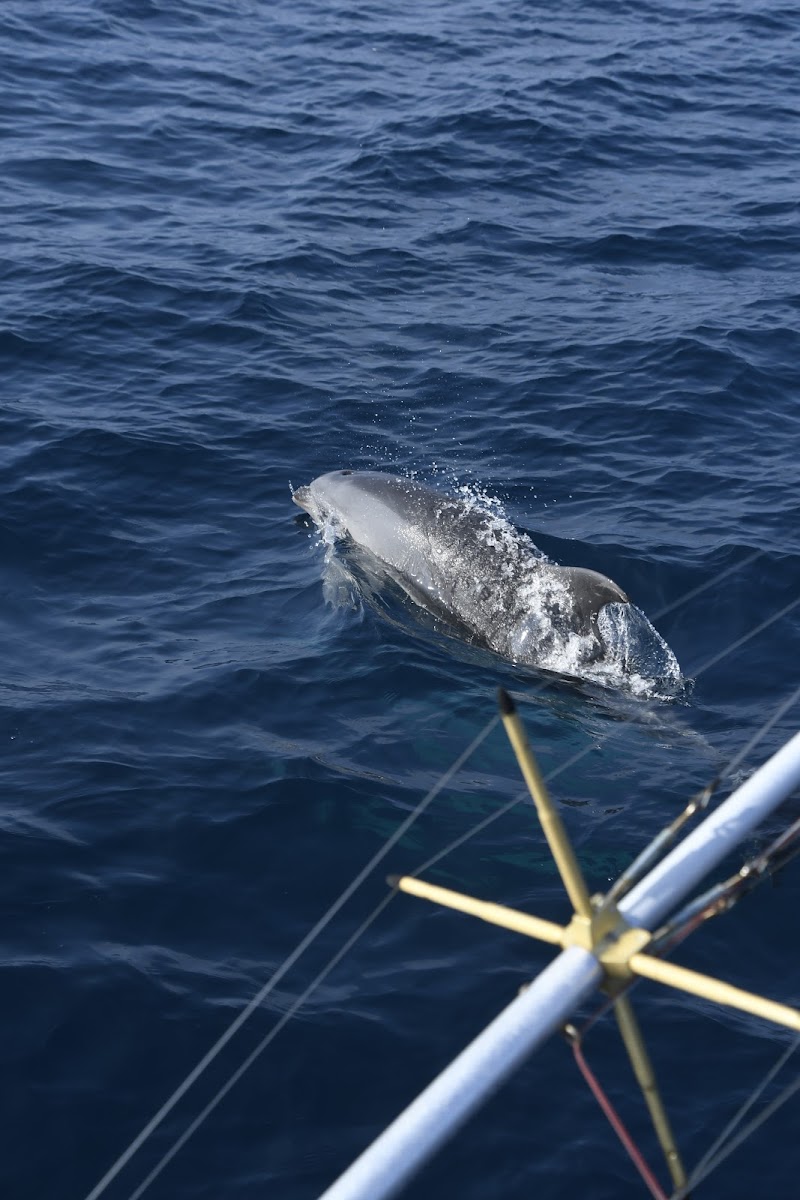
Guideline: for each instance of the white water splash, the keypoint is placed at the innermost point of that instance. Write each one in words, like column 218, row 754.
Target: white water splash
column 636, row 653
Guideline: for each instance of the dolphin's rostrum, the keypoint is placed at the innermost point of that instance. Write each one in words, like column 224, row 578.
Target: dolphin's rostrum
column 467, row 565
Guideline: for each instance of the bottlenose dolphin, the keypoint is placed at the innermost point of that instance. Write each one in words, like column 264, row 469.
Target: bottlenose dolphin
column 467, row 565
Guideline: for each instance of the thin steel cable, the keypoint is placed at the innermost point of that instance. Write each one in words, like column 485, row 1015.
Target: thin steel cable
column 741, row 1137
column 741, row 755
column 510, row 804
column 723, row 896
column 262, row 1045
column 781, row 1099
column 679, row 824
column 248, row 1062
column 703, row 587
column 778, row 854
column 615, row 1120
column 712, row 662
column 288, row 963
column 702, row 1168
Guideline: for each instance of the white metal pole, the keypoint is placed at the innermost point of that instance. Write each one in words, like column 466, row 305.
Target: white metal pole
column 470, row 1079
column 684, row 867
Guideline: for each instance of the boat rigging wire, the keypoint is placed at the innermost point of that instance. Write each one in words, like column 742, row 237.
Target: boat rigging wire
column 722, row 1147
column 781, row 711
column 784, row 847
column 289, row 962
column 725, row 1143
column 698, row 803
column 703, row 587
column 715, row 658
column 342, row 899
column 722, row 896
column 615, row 1121
column 262, row 1045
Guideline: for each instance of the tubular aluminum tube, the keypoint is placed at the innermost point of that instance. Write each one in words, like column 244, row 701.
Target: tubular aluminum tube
column 470, row 1079
column 661, row 891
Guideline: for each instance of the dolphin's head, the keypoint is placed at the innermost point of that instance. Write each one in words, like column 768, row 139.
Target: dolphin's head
column 326, row 494
column 368, row 504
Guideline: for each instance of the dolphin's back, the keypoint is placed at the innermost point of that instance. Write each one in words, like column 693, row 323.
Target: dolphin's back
column 464, row 557
column 467, row 565
column 458, row 559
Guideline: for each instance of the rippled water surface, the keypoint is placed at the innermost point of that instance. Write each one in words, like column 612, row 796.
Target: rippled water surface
column 551, row 253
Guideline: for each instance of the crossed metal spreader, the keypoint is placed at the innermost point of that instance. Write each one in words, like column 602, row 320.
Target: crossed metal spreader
column 609, row 943
column 599, row 927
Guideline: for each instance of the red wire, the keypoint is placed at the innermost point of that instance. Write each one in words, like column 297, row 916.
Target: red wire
column 616, row 1123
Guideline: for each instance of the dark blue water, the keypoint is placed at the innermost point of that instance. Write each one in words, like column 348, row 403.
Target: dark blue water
column 552, row 252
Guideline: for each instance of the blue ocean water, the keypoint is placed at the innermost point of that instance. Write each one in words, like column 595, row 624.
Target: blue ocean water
column 552, row 253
